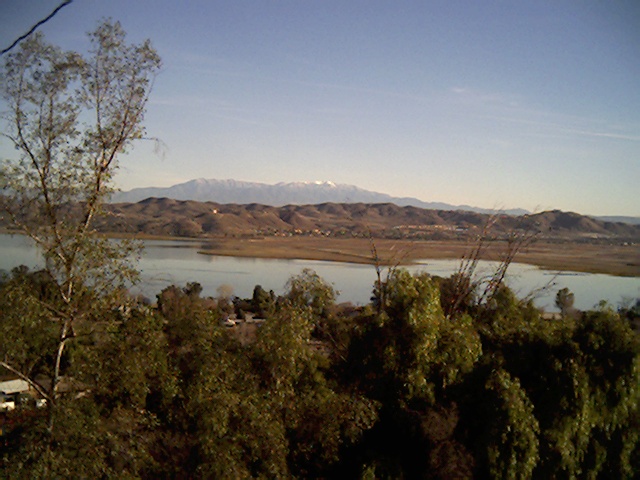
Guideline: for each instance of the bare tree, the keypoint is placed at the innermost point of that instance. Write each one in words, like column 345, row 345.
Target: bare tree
column 564, row 301
column 467, row 286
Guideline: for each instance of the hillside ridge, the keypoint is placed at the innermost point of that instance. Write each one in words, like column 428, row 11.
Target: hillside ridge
column 189, row 218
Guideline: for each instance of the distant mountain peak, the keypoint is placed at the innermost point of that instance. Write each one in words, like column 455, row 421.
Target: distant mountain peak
column 325, row 183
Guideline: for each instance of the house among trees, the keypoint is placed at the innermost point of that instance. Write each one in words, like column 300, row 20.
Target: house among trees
column 13, row 387
column 9, row 390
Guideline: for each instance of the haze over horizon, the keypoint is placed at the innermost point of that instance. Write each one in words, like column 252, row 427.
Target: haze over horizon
column 492, row 104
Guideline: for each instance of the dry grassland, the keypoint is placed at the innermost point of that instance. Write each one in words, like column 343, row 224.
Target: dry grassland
column 623, row 260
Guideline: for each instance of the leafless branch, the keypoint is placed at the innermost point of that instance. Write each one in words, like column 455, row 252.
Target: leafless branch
column 33, row 29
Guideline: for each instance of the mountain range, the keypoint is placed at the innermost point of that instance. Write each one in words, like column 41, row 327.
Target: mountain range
column 301, row 193
column 280, row 194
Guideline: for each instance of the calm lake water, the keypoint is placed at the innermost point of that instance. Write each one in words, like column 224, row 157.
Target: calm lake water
column 177, row 262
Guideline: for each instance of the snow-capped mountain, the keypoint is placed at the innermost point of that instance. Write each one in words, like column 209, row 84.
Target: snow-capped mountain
column 293, row 193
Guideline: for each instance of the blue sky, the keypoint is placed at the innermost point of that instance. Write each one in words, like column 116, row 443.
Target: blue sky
column 532, row 104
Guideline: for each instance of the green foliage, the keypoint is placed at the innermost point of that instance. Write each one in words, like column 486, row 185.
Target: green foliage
column 117, row 383
column 283, row 350
column 259, row 410
column 322, row 424
column 309, row 291
column 319, row 421
column 238, row 432
column 28, row 335
column 410, row 350
column 512, row 443
column 535, row 398
column 53, row 190
column 610, row 354
column 262, row 302
column 169, row 392
column 410, row 359
column 565, row 370
column 124, row 363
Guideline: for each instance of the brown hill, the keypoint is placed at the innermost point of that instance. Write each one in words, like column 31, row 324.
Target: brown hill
column 556, row 222
column 162, row 216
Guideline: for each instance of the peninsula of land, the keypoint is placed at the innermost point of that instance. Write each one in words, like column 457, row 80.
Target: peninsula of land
column 621, row 260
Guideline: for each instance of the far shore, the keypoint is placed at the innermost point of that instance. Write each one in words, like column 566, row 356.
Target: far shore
column 619, row 260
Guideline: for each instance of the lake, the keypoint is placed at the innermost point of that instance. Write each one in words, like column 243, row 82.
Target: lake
column 166, row 262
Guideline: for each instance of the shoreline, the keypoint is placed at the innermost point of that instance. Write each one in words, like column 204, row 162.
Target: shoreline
column 616, row 260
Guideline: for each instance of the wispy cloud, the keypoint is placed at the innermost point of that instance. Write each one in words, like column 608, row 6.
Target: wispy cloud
column 362, row 90
column 477, row 97
column 189, row 101
column 507, row 108
column 617, row 136
column 563, row 127
column 189, row 58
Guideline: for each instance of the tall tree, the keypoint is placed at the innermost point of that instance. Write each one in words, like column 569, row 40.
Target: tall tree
column 70, row 118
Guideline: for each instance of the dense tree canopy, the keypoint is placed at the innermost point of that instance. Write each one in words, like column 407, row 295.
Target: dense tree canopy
column 166, row 390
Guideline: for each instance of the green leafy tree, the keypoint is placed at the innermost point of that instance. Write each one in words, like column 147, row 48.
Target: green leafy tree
column 28, row 336
column 116, row 389
column 220, row 424
column 309, row 291
column 512, row 440
column 571, row 385
column 70, row 118
column 262, row 302
column 408, row 358
column 319, row 419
